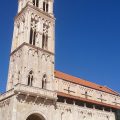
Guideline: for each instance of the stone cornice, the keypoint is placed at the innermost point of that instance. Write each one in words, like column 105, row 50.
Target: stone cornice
column 37, row 48
column 28, row 6
column 28, row 90
column 35, row 91
column 7, row 95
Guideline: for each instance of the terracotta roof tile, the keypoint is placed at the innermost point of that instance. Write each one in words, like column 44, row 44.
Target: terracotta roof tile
column 80, row 81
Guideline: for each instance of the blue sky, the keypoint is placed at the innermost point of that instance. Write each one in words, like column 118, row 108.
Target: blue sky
column 87, row 39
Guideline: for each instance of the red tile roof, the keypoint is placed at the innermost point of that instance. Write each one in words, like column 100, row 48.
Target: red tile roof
column 87, row 100
column 82, row 82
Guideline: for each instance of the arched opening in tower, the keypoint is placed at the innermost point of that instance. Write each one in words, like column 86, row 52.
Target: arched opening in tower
column 35, row 117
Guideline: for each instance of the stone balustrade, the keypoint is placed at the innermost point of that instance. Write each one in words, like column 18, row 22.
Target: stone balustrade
column 34, row 91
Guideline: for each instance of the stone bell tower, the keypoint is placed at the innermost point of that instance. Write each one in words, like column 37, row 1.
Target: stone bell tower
column 30, row 93
column 32, row 53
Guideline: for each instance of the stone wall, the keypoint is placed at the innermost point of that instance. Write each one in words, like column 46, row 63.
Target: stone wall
column 79, row 90
column 73, row 112
column 6, row 109
column 19, row 107
column 29, row 58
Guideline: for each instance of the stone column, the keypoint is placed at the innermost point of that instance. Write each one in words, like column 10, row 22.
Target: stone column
column 25, row 27
column 40, row 32
column 85, row 105
column 50, row 7
column 19, row 5
column 22, row 32
column 41, row 4
column 94, row 107
column 24, row 3
column 28, row 26
column 19, row 35
column 24, row 70
column 14, row 37
column 38, row 35
column 51, row 37
column 30, row 2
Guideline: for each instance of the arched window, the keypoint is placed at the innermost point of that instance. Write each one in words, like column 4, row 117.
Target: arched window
column 36, row 3
column 43, row 41
column 34, row 37
column 33, row 33
column 44, row 81
column 35, row 117
column 46, row 42
column 45, row 36
column 45, row 6
column 30, row 78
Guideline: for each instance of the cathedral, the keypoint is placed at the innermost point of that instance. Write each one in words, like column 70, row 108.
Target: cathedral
column 35, row 90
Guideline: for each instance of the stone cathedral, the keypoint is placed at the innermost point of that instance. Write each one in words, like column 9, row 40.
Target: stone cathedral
column 35, row 90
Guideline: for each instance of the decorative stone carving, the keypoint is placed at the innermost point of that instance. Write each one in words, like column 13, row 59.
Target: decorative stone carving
column 5, row 103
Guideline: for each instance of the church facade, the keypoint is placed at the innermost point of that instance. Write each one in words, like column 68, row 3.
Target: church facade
column 35, row 90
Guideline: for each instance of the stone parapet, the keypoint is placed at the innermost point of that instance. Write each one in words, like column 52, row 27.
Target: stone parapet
column 34, row 91
column 7, row 94
column 28, row 90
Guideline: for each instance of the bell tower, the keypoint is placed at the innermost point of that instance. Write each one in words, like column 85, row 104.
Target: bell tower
column 32, row 52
